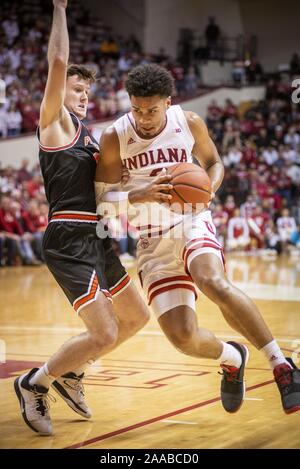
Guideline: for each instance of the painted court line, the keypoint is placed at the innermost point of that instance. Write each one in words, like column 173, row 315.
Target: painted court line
column 182, row 422
column 120, row 431
column 252, row 399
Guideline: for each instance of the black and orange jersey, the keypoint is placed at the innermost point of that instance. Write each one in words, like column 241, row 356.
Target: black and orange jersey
column 69, row 172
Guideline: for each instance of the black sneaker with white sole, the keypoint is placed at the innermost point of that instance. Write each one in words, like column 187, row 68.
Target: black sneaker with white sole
column 287, row 378
column 34, row 403
column 69, row 386
column 233, row 384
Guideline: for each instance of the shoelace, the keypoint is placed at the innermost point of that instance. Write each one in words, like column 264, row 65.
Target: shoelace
column 42, row 402
column 75, row 384
column 285, row 378
column 230, row 375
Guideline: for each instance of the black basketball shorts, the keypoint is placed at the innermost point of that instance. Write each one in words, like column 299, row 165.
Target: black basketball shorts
column 83, row 264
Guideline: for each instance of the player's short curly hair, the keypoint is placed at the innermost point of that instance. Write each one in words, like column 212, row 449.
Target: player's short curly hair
column 149, row 80
column 83, row 72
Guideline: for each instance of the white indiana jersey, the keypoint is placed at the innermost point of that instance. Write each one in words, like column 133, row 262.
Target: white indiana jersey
column 145, row 158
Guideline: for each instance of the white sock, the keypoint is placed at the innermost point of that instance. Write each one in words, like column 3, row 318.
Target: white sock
column 42, row 377
column 230, row 355
column 273, row 354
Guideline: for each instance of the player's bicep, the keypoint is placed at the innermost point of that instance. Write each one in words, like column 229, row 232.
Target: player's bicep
column 109, row 167
column 204, row 148
column 205, row 151
column 54, row 93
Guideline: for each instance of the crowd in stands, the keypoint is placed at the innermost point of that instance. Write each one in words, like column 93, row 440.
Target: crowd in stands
column 23, row 65
column 258, row 205
column 256, row 208
column 23, row 215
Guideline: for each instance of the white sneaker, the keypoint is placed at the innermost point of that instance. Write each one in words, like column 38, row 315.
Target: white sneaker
column 34, row 403
column 70, row 388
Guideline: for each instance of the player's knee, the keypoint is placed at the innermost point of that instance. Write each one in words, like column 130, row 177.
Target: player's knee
column 139, row 322
column 142, row 318
column 215, row 287
column 182, row 337
column 105, row 338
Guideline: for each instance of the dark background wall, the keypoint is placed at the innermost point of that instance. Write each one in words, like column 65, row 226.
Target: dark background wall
column 125, row 16
column 277, row 26
column 156, row 23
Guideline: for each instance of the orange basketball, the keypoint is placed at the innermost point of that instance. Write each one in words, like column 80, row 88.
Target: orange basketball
column 191, row 185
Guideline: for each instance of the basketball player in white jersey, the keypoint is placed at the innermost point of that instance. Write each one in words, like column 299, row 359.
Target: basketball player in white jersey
column 177, row 252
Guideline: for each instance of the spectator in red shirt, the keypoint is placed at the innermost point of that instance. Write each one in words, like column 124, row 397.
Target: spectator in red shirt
column 10, row 225
column 249, row 154
column 230, row 110
column 229, row 205
column 34, row 186
column 258, row 223
column 33, row 222
column 274, row 199
column 274, row 176
column 30, row 114
column 246, row 127
column 8, row 221
column 23, row 173
column 262, row 186
column 220, row 218
column 214, row 110
column 8, row 241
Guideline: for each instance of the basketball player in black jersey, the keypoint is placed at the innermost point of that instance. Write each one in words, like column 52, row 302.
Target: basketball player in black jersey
column 85, row 266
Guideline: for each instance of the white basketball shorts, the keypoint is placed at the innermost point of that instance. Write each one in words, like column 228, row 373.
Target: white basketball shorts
column 163, row 262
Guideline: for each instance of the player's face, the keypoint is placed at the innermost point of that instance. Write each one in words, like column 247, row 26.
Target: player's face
column 76, row 99
column 149, row 114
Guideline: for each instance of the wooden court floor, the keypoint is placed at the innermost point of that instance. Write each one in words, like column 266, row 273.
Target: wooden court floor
column 145, row 394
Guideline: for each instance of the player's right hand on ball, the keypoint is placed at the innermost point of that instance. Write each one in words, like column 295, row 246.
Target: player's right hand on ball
column 156, row 191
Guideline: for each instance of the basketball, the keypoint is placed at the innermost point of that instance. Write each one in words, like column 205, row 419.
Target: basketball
column 191, row 185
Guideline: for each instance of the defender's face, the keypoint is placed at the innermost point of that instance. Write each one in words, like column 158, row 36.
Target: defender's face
column 149, row 114
column 76, row 98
